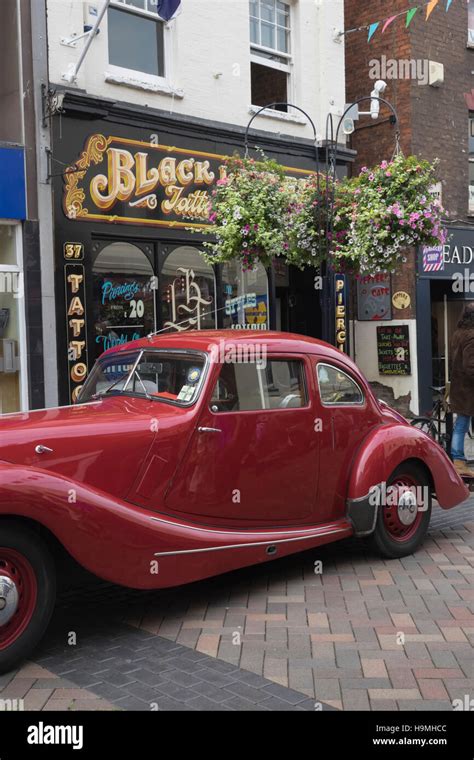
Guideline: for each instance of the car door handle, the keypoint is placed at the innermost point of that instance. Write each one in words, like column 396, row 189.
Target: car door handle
column 209, row 430
column 40, row 449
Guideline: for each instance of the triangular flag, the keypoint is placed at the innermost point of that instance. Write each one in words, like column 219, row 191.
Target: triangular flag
column 372, row 29
column 410, row 15
column 430, row 8
column 388, row 21
column 448, row 4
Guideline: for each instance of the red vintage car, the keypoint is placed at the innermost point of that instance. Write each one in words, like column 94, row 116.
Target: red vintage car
column 192, row 454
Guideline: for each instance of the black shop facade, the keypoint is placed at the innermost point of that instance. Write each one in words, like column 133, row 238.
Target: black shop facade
column 131, row 202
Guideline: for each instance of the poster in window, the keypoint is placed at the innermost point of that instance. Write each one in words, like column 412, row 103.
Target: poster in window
column 125, row 309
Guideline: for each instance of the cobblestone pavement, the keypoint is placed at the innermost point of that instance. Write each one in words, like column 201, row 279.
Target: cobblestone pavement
column 364, row 634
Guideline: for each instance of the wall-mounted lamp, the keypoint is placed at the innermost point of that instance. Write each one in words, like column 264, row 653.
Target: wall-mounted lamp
column 53, row 103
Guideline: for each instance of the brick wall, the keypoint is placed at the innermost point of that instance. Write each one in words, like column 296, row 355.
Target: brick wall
column 433, row 120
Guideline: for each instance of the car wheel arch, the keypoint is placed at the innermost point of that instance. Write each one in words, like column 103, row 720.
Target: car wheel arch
column 57, row 549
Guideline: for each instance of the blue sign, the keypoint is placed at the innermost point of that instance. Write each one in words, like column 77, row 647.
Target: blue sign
column 12, row 183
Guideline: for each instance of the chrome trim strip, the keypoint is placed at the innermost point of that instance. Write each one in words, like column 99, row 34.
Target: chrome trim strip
column 245, row 546
column 233, row 532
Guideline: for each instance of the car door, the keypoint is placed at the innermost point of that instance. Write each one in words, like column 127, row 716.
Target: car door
column 346, row 417
column 254, row 455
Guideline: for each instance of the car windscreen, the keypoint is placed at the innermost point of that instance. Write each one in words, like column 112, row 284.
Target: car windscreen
column 157, row 375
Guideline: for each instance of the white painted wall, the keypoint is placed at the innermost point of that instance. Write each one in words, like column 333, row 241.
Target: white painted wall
column 209, row 38
column 364, row 352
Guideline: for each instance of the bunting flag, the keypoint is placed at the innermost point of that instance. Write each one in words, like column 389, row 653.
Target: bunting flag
column 372, row 29
column 410, row 15
column 388, row 21
column 430, row 8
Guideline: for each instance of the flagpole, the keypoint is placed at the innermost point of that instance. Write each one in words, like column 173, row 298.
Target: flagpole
column 71, row 76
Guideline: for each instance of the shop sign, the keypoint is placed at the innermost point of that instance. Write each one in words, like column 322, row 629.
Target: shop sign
column 74, row 281
column 341, row 313
column 131, row 181
column 433, row 259
column 373, row 297
column 393, row 350
column 401, row 300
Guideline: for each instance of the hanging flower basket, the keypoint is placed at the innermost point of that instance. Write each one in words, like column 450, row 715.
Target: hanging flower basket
column 307, row 222
column 384, row 211
column 247, row 210
column 363, row 224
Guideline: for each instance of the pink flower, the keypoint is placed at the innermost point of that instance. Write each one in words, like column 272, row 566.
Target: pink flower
column 212, row 217
column 223, row 181
column 383, row 165
column 388, row 174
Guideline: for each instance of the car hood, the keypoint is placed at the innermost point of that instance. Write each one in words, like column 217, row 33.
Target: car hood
column 21, row 432
column 102, row 443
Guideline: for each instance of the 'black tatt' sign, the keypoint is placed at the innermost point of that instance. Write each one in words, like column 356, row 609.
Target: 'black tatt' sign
column 393, row 350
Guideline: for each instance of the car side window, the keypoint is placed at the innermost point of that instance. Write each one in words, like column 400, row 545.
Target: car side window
column 272, row 384
column 336, row 387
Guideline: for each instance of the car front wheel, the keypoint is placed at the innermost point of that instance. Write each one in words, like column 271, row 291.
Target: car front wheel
column 27, row 592
column 402, row 521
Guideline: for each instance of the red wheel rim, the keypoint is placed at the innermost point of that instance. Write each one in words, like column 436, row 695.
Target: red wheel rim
column 398, row 530
column 15, row 570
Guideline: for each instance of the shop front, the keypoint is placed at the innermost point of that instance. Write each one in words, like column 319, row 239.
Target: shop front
column 130, row 209
column 13, row 351
column 445, row 282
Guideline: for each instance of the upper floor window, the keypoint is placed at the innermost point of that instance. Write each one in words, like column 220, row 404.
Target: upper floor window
column 470, row 23
column 136, row 38
column 270, row 52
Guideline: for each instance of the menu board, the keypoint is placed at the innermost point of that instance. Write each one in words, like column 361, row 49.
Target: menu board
column 393, row 350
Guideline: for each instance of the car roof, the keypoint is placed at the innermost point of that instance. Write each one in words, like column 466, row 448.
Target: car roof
column 205, row 340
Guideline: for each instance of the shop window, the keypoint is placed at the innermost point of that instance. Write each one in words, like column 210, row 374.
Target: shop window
column 245, row 297
column 244, row 387
column 13, row 393
column 270, row 55
column 136, row 37
column 187, row 291
column 336, row 388
column 124, row 296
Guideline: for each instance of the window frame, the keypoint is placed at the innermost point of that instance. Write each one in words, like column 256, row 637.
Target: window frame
column 273, row 357
column 261, row 60
column 470, row 14
column 184, row 352
column 339, row 369
column 130, row 74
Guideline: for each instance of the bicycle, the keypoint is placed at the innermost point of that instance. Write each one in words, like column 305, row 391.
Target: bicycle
column 435, row 422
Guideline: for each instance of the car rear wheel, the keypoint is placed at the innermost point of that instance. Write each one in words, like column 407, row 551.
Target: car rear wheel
column 27, row 592
column 403, row 521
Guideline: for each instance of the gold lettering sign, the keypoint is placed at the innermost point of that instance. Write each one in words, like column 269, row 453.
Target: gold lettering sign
column 340, row 311
column 74, row 281
column 117, row 179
